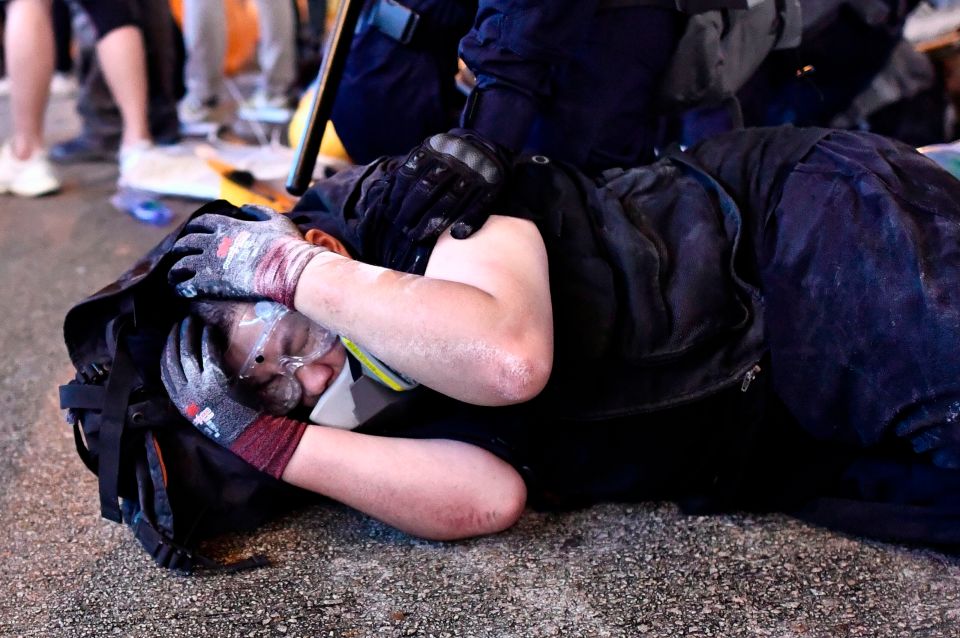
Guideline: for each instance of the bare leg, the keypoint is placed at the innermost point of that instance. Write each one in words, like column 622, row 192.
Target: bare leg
column 432, row 488
column 28, row 39
column 122, row 58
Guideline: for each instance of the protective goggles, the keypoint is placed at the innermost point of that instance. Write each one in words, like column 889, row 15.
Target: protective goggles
column 282, row 341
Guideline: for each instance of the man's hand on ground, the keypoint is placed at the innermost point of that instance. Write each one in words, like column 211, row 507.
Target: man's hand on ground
column 259, row 257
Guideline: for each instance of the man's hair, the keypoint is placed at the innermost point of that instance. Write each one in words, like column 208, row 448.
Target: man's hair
column 220, row 315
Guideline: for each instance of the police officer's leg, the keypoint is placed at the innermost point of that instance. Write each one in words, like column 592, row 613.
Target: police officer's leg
column 603, row 111
column 861, row 280
column 101, row 126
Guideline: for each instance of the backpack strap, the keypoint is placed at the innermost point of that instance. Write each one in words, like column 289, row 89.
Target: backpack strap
column 172, row 555
column 112, row 418
column 85, row 393
column 80, row 396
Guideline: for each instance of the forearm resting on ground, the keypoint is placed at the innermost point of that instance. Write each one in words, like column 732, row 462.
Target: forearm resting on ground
column 431, row 488
column 477, row 327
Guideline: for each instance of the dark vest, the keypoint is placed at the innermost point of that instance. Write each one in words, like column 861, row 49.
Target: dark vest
column 655, row 298
column 650, row 310
column 654, row 303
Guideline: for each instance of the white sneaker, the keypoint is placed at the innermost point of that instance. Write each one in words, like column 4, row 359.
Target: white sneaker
column 31, row 177
column 135, row 163
column 265, row 108
column 63, row 85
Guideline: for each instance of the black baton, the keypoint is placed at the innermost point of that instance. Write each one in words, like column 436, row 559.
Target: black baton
column 331, row 71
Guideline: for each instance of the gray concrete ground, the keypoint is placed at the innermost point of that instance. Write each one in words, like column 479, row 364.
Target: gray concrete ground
column 613, row 570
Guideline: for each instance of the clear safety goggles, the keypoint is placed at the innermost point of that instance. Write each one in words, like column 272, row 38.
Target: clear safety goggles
column 282, row 341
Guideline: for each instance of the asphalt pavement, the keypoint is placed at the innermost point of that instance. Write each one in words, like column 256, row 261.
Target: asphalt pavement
column 639, row 570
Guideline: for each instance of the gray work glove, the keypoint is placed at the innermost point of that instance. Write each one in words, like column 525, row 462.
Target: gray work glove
column 192, row 372
column 259, row 257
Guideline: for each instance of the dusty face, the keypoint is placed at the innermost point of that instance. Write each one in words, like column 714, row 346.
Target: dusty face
column 285, row 359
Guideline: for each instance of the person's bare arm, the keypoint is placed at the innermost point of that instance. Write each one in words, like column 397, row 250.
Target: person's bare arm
column 431, row 488
column 477, row 327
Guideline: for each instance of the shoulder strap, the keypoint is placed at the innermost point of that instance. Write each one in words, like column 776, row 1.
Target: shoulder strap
column 112, row 419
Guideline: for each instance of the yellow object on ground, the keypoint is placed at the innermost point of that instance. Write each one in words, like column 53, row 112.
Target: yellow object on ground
column 240, row 187
column 331, row 146
column 242, row 32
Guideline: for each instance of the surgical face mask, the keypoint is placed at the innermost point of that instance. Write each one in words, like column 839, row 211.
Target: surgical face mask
column 360, row 392
column 280, row 341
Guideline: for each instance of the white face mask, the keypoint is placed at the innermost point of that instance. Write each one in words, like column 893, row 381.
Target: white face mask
column 349, row 402
column 336, row 406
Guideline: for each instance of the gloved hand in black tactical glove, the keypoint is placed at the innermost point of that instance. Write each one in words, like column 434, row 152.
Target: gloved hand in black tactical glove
column 450, row 180
column 192, row 372
column 258, row 257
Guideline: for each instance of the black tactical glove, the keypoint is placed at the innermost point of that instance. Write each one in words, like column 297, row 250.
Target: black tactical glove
column 451, row 180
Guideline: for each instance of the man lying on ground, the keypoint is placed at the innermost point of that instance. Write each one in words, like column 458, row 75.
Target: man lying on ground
column 771, row 320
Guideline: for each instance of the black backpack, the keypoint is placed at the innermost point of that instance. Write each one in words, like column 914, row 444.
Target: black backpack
column 157, row 473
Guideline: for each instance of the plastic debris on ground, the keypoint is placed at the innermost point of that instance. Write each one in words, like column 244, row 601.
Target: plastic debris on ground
column 142, row 206
column 183, row 170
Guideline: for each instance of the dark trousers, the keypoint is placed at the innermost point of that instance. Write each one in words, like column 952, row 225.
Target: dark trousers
column 95, row 104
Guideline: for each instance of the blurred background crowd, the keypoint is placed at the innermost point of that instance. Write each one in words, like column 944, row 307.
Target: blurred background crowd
column 180, row 92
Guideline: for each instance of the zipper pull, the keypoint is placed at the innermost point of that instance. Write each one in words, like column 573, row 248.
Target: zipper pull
column 749, row 377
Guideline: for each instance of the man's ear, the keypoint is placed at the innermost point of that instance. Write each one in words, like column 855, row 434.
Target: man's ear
column 320, row 238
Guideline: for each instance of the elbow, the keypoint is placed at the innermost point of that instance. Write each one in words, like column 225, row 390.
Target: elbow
column 490, row 514
column 520, row 373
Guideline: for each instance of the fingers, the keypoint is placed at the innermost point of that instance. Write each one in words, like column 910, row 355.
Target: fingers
column 181, row 274
column 476, row 210
column 429, row 202
column 192, row 367
column 257, row 213
column 209, row 350
column 171, row 373
column 470, row 222
column 196, row 243
column 464, row 205
column 208, row 223
column 191, row 250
